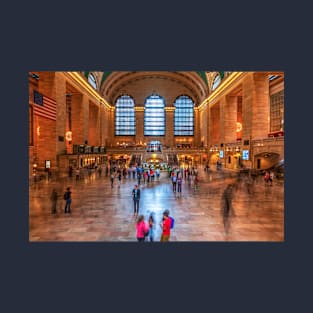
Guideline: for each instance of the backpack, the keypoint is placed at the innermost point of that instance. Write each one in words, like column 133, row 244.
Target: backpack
column 65, row 196
column 172, row 222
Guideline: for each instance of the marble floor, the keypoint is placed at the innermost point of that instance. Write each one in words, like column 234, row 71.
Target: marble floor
column 102, row 213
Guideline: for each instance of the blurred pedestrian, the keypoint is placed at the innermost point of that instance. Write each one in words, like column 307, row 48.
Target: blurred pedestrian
column 179, row 183
column 70, row 171
column 49, row 173
column 271, row 178
column 266, row 178
column 112, row 179
column 226, row 207
column 174, row 182
column 196, row 182
column 151, row 222
column 100, row 171
column 77, row 173
column 54, row 199
column 119, row 177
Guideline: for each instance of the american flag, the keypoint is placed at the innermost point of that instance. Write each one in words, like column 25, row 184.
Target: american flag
column 44, row 106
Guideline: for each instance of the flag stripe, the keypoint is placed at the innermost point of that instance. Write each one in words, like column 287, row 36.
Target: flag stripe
column 47, row 110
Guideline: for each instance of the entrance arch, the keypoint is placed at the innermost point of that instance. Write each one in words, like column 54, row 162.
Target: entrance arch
column 266, row 160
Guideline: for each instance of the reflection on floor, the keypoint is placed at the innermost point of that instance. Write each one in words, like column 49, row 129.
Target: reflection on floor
column 102, row 213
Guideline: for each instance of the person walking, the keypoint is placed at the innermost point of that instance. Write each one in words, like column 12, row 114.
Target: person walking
column 49, row 173
column 142, row 229
column 77, row 173
column 267, row 178
column 100, row 171
column 54, row 199
column 145, row 177
column 151, row 222
column 158, row 173
column 227, row 207
column 139, row 176
column 179, row 183
column 196, row 182
column 68, row 200
column 166, row 226
column 119, row 177
column 271, row 178
column 136, row 198
column 174, row 180
column 112, row 179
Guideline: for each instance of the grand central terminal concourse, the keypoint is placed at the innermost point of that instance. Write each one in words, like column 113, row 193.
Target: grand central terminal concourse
column 156, row 156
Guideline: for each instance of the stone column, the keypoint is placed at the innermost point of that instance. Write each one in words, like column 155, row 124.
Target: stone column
column 261, row 107
column 169, row 126
column 110, row 122
column 197, row 137
column 230, row 119
column 80, row 116
column 139, row 111
column 255, row 106
column 203, row 126
column 215, row 136
column 93, row 124
column 60, row 91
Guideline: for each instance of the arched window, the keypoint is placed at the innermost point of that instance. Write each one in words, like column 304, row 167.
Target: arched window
column 154, row 121
column 216, row 82
column 125, row 119
column 183, row 116
column 92, row 81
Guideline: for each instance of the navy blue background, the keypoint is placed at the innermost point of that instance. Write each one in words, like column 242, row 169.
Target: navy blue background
column 162, row 35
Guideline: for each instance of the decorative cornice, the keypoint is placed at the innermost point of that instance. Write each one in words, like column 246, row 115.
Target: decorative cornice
column 222, row 88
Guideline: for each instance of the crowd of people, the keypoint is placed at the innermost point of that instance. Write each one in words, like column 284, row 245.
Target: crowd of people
column 176, row 176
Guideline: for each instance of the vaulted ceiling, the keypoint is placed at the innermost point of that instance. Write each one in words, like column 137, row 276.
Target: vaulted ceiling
column 141, row 84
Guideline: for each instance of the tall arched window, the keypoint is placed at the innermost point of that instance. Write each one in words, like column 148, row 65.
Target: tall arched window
column 154, row 121
column 216, row 82
column 125, row 119
column 184, row 116
column 92, row 81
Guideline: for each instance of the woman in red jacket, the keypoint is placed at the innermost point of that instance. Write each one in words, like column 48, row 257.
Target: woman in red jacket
column 142, row 229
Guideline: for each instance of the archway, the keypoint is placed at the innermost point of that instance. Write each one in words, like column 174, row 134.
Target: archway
column 265, row 160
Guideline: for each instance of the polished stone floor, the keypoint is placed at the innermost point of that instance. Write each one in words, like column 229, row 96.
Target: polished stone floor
column 102, row 213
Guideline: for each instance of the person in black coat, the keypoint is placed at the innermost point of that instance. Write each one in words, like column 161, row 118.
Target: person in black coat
column 136, row 198
column 68, row 200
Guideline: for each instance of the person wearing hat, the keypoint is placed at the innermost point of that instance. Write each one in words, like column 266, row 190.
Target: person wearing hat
column 166, row 226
